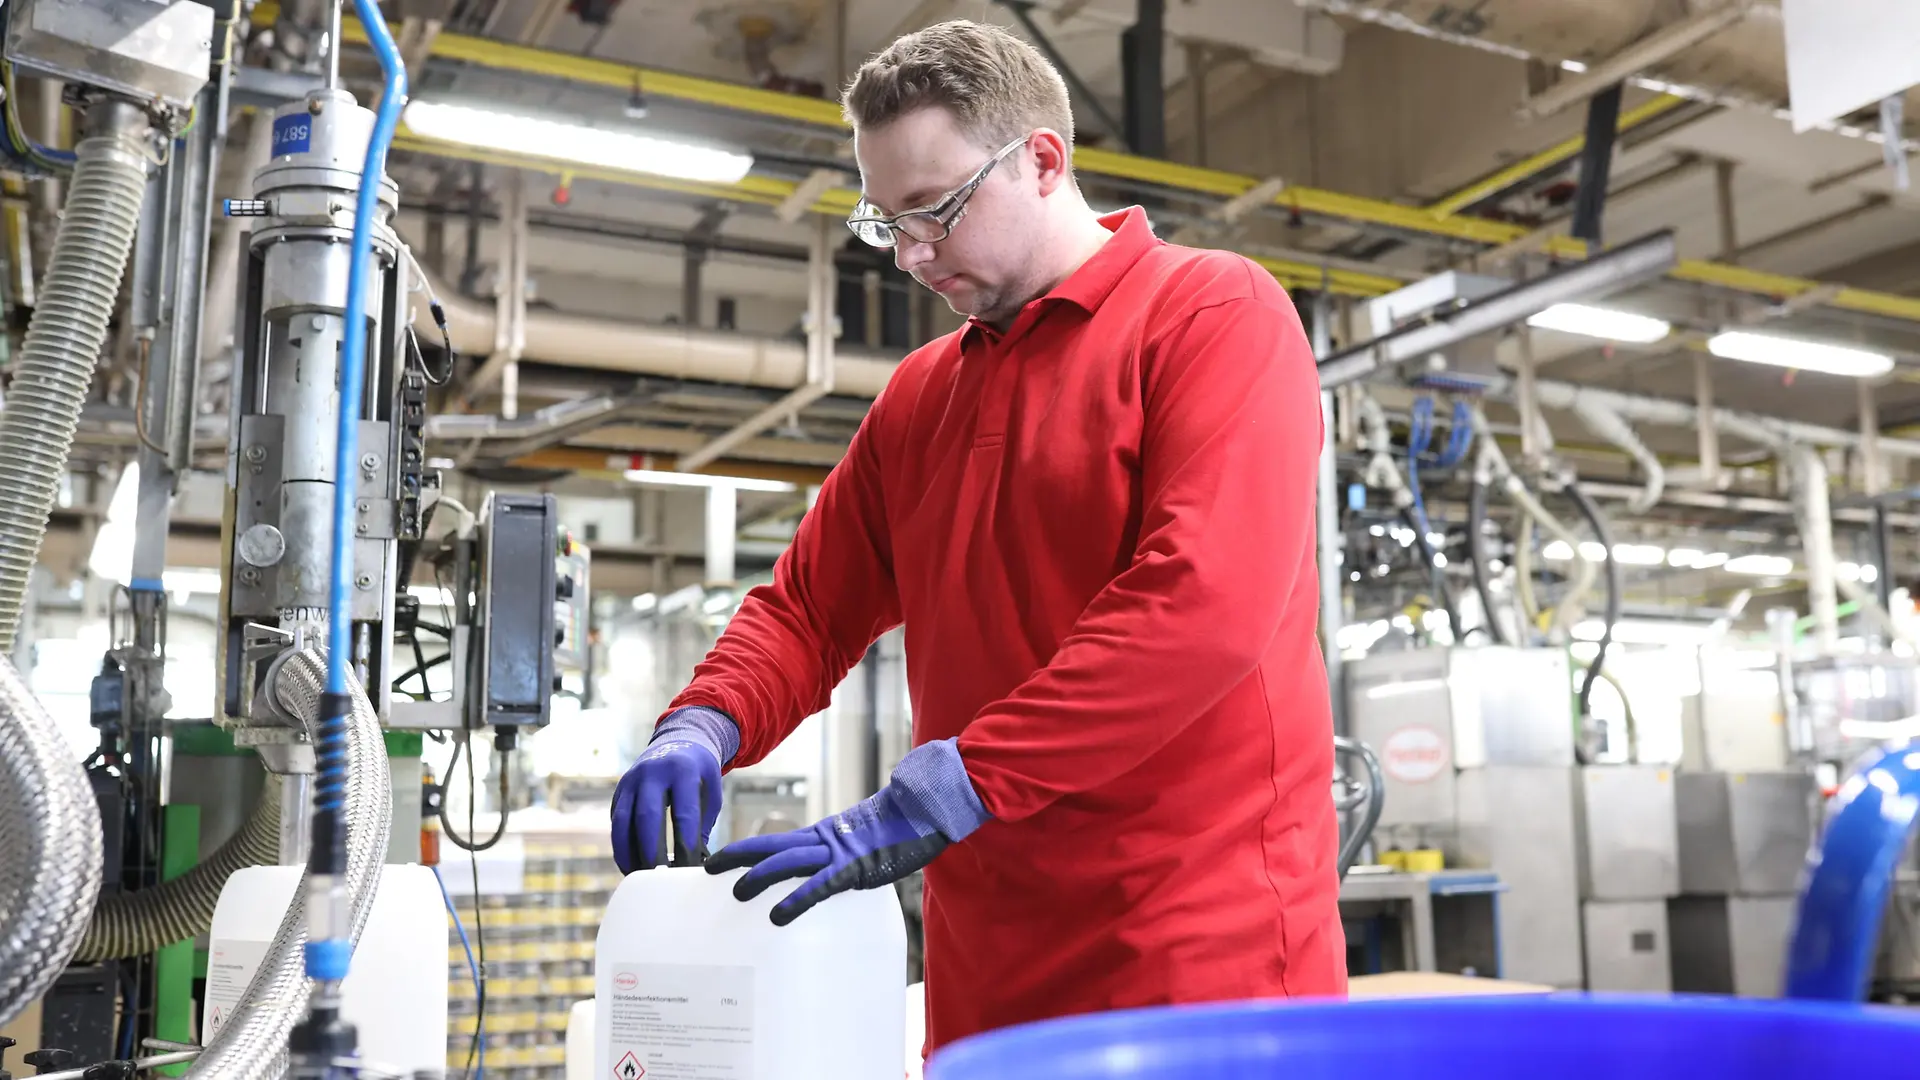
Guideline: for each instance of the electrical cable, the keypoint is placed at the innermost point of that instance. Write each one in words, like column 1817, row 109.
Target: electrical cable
column 479, row 1031
column 1477, row 553
column 1440, row 587
column 479, row 1044
column 419, row 358
column 424, row 283
column 465, row 843
column 1598, row 524
column 1419, row 436
column 29, row 158
column 1626, row 705
column 1523, row 577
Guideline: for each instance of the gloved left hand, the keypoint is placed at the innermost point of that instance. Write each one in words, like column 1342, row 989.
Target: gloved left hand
column 928, row 805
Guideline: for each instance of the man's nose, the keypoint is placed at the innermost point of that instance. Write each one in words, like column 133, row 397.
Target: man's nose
column 909, row 253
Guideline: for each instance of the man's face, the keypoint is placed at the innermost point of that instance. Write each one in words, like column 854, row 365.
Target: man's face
column 980, row 268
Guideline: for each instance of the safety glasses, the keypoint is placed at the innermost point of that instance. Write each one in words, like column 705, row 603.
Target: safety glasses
column 928, row 224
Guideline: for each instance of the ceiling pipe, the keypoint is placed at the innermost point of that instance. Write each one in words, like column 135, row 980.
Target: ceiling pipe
column 1720, row 501
column 1768, row 431
column 1814, row 513
column 1611, row 426
column 673, row 352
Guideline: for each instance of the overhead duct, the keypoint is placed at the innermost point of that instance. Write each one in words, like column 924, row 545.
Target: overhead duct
column 1625, row 266
column 1768, row 431
column 1813, row 509
column 1610, row 426
column 674, row 352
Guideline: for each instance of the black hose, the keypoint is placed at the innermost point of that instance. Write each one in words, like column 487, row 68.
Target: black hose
column 1477, row 554
column 1598, row 524
column 465, row 843
column 1433, row 571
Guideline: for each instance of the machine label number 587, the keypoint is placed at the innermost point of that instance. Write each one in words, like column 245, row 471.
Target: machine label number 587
column 292, row 134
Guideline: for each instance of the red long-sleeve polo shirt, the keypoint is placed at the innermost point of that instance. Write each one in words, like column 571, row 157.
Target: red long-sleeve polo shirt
column 1097, row 528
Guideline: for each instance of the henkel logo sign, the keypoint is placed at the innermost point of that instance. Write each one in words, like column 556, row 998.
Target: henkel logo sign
column 1414, row 755
column 626, row 980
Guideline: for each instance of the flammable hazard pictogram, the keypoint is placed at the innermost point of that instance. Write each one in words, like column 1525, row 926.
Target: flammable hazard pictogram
column 629, row 1068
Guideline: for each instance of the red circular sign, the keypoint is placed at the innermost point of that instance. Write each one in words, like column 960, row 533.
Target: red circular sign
column 626, row 980
column 1414, row 754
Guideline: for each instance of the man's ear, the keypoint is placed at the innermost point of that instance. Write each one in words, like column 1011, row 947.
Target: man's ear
column 1053, row 159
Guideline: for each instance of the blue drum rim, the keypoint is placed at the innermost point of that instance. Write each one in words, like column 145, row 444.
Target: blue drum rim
column 1467, row 1019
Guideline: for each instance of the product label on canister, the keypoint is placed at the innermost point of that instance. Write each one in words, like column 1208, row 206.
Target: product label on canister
column 230, row 967
column 292, row 134
column 1414, row 755
column 682, row 1022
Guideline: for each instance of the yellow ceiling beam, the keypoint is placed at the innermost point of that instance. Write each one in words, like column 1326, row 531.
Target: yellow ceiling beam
column 1564, row 150
column 837, row 202
column 1358, row 210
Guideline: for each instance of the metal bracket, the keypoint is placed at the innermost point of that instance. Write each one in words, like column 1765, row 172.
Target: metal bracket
column 806, row 193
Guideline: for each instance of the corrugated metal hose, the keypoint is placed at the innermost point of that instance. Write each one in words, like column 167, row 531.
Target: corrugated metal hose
column 253, row 1044
column 136, row 923
column 54, row 370
column 49, row 847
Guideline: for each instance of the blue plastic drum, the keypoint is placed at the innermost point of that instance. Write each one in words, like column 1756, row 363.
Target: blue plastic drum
column 1557, row 1037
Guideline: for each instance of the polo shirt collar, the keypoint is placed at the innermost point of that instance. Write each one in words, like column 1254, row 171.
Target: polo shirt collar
column 1089, row 285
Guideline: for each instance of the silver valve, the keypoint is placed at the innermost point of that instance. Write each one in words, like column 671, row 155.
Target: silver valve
column 246, row 207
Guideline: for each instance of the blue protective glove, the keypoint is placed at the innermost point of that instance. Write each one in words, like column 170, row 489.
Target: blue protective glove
column 681, row 766
column 929, row 805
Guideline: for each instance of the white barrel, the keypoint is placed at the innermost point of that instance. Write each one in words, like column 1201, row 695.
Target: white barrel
column 691, row 982
column 396, row 991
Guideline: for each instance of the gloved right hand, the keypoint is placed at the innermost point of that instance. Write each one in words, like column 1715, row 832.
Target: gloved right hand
column 681, row 767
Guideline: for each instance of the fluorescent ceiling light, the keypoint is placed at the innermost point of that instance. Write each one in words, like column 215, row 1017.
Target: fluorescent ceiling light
column 1848, row 571
column 1601, row 323
column 578, row 144
column 646, row 601
column 1590, row 550
column 1761, row 565
column 707, row 480
column 1695, row 559
column 1802, row 355
column 1638, row 555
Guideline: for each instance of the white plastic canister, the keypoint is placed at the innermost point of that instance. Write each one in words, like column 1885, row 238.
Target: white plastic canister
column 396, row 991
column 691, row 983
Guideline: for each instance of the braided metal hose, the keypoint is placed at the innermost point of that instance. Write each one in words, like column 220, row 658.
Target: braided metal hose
column 54, row 370
column 49, row 847
column 253, row 1044
column 136, row 923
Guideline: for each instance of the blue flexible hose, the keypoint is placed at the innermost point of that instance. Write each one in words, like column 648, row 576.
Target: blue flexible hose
column 1460, row 439
column 1419, row 436
column 353, row 351
column 328, row 955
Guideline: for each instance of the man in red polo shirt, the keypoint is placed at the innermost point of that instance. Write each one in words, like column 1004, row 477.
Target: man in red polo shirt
column 1092, row 507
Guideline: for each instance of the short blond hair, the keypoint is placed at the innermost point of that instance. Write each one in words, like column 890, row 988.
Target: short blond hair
column 997, row 86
